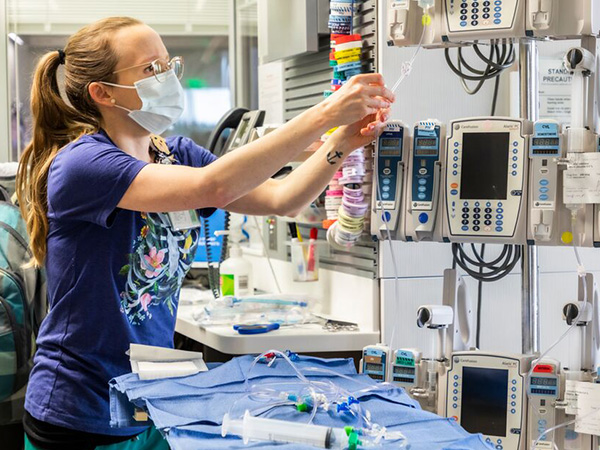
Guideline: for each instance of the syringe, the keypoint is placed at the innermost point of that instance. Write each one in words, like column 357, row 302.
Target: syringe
column 261, row 429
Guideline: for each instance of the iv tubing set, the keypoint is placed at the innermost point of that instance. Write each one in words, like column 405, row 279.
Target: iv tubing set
column 313, row 395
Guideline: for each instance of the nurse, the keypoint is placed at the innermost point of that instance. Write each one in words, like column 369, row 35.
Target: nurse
column 96, row 185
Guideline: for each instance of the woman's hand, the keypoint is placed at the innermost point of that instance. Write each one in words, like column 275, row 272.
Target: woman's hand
column 361, row 96
column 361, row 133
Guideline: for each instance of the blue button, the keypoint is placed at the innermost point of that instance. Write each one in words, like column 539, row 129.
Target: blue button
column 386, row 181
column 499, row 447
column 422, row 181
column 455, row 399
column 386, row 216
column 422, row 188
column 385, row 196
column 454, row 192
column 499, row 204
column 455, row 384
column 544, row 190
column 455, row 166
column 514, row 389
column 515, row 158
column 456, row 144
column 465, row 228
column 455, row 158
column 498, row 9
column 455, row 391
column 543, row 197
column 456, row 377
column 456, row 152
column 544, row 182
column 515, row 144
column 542, row 422
column 465, row 203
column 514, row 166
column 499, row 441
column 499, row 216
column 488, row 204
column 499, row 210
column 513, row 403
column 421, row 196
column 514, row 173
column 498, row 22
column 463, row 24
column 497, row 15
column 499, row 223
column 515, row 151
column 454, row 173
column 514, row 381
column 499, row 229
column 477, row 204
column 455, row 406
column 513, row 411
column 498, row 2
column 513, row 396
column 423, row 217
column 488, row 440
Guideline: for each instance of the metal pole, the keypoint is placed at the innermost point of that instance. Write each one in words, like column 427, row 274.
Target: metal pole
column 5, row 129
column 530, row 292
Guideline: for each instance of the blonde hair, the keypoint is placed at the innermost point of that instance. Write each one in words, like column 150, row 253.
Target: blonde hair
column 88, row 56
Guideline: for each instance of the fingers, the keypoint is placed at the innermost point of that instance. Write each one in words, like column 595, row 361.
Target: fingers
column 374, row 129
column 380, row 91
column 378, row 103
column 369, row 78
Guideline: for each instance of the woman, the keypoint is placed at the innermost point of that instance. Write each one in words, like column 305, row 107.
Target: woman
column 96, row 190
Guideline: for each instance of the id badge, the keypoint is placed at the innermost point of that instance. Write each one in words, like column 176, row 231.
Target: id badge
column 184, row 220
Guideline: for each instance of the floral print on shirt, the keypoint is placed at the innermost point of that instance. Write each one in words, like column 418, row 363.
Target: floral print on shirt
column 160, row 260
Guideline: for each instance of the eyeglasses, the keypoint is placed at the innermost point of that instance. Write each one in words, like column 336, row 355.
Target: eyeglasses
column 159, row 66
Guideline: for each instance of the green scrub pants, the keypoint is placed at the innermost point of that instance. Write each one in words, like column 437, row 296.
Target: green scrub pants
column 150, row 439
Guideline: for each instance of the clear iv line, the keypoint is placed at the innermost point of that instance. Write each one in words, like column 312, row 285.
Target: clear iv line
column 406, row 67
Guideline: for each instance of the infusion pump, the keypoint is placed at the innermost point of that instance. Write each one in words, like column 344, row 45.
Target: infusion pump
column 463, row 21
column 486, row 393
column 485, row 183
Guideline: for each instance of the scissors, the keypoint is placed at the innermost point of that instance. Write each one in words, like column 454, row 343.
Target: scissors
column 256, row 329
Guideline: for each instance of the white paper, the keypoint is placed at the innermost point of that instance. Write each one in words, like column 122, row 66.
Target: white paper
column 152, row 363
column 582, row 179
column 148, row 370
column 139, row 352
column 587, row 406
column 555, row 90
column 190, row 296
column 571, row 397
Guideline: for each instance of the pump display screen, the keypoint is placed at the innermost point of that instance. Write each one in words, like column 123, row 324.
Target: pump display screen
column 374, row 367
column 427, row 142
column 484, row 401
column 426, row 151
column 545, row 142
column 387, row 142
column 484, row 173
column 540, row 381
column 404, row 370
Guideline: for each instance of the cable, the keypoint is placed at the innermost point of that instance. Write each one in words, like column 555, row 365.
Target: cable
column 501, row 57
column 479, row 302
column 487, row 271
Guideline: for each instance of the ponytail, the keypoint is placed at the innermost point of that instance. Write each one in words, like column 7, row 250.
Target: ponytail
column 88, row 57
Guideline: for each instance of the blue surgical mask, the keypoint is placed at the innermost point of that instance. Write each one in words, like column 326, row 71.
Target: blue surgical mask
column 162, row 101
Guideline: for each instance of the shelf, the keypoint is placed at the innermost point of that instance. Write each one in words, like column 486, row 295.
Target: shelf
column 305, row 338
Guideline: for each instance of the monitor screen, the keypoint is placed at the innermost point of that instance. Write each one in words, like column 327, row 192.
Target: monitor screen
column 484, row 173
column 484, row 401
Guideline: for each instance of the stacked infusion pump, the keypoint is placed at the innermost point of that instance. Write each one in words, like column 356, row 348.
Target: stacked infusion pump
column 457, row 21
column 480, row 180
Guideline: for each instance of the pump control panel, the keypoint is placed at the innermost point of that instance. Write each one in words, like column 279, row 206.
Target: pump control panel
column 543, row 392
column 390, row 160
column 423, row 223
column 545, row 150
column 485, row 181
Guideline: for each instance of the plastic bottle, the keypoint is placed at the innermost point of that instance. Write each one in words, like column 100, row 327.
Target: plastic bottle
column 236, row 274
